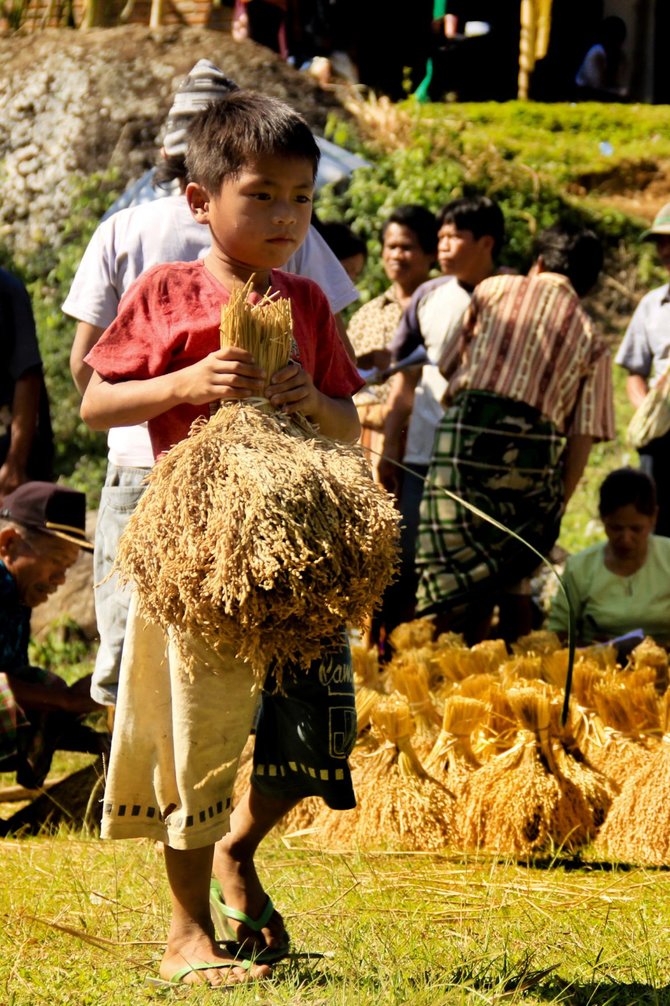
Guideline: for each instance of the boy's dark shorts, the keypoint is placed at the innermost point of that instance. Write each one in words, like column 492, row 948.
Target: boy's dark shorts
column 305, row 733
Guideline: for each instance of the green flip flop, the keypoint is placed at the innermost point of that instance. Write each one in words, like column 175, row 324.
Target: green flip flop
column 222, row 913
column 179, row 976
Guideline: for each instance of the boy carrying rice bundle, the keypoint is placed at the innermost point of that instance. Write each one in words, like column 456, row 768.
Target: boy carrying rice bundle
column 185, row 708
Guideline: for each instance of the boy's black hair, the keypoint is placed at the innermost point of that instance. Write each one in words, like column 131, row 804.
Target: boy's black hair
column 627, row 486
column 477, row 214
column 239, row 128
column 168, row 170
column 342, row 241
column 420, row 221
column 572, row 251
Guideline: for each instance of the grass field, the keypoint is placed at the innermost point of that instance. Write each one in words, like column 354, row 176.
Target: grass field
column 83, row 921
column 83, row 924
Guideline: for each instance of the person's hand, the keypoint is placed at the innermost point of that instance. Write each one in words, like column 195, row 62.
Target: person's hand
column 78, row 697
column 11, row 477
column 390, row 475
column 229, row 374
column 380, row 359
column 291, row 389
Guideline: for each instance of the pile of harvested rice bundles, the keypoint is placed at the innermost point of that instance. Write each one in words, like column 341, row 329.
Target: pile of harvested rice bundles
column 256, row 531
column 504, row 775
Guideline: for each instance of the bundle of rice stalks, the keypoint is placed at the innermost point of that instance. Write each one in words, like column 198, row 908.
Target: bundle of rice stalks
column 651, row 656
column 527, row 666
column 603, row 655
column 412, row 635
column 586, row 674
column 400, row 806
column 637, row 828
column 537, row 642
column 497, row 731
column 366, row 700
column 301, row 818
column 408, row 675
column 450, row 641
column 256, row 531
column 477, row 686
column 593, row 791
column 519, row 803
column 455, row 663
column 615, row 746
column 452, row 759
column 365, row 665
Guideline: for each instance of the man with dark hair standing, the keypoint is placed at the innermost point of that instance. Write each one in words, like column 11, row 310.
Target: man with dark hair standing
column 470, row 236
column 529, row 389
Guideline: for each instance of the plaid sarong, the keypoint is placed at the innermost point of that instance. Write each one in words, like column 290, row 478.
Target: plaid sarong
column 504, row 457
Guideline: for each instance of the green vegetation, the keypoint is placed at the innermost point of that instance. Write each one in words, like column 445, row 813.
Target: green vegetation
column 536, row 160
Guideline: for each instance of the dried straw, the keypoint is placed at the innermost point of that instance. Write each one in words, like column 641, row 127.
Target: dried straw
column 618, row 746
column 256, row 531
column 538, row 642
column 651, row 656
column 365, row 665
column 456, row 663
column 410, row 635
column 592, row 791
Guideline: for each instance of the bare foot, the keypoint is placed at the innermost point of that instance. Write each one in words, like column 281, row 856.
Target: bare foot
column 243, row 890
column 195, row 947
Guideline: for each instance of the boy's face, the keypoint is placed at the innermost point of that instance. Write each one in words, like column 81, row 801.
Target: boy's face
column 261, row 216
column 461, row 254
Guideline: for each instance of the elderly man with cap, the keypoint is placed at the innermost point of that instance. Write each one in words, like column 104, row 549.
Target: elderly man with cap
column 645, row 353
column 41, row 533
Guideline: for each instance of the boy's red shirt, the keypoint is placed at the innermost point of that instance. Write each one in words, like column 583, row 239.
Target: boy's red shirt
column 169, row 319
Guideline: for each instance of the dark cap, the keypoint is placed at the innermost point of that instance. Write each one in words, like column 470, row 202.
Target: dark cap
column 49, row 508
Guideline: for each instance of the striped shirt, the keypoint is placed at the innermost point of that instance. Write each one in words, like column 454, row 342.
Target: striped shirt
column 529, row 339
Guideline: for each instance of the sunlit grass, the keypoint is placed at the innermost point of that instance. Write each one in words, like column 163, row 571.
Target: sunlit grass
column 84, row 923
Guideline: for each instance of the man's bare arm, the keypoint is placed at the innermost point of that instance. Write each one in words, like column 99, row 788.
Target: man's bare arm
column 85, row 338
column 398, row 411
column 577, row 453
column 637, row 389
column 25, row 409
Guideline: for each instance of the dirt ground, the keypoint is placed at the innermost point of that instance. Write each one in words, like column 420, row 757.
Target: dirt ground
column 639, row 189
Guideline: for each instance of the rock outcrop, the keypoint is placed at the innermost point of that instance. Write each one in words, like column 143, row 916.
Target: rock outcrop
column 73, row 103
